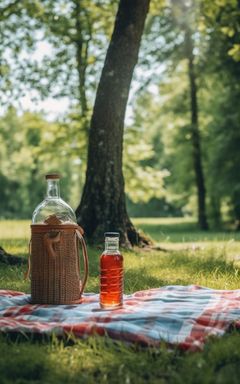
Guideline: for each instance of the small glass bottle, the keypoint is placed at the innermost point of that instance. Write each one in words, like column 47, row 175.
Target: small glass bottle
column 53, row 207
column 111, row 273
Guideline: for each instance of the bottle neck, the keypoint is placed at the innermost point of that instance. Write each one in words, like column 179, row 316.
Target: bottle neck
column 111, row 244
column 53, row 190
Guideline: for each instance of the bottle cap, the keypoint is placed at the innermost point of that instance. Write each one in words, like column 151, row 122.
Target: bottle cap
column 111, row 234
column 52, row 176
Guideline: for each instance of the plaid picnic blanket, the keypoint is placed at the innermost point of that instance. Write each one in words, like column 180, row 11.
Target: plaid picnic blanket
column 183, row 316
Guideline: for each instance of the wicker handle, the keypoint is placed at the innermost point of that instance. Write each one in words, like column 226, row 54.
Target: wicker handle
column 85, row 259
column 27, row 273
column 49, row 240
column 48, row 243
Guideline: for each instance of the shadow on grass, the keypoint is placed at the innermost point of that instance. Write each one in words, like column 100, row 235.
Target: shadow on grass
column 99, row 360
column 181, row 269
column 139, row 279
column 184, row 232
column 22, row 362
column 136, row 280
column 95, row 360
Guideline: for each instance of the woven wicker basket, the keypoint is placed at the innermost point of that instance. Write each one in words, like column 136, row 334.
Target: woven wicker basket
column 54, row 264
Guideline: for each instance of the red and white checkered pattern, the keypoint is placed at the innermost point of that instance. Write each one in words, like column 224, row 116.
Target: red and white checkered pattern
column 183, row 316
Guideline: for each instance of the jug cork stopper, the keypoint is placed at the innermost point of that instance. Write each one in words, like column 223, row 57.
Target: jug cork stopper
column 52, row 176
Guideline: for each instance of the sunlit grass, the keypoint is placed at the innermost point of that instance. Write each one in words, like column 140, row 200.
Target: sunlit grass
column 14, row 229
column 14, row 236
column 183, row 233
column 196, row 257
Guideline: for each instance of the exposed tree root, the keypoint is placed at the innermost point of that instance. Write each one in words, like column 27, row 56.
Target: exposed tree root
column 9, row 259
column 141, row 241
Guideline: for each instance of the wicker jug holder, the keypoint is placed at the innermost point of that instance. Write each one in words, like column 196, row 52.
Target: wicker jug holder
column 54, row 263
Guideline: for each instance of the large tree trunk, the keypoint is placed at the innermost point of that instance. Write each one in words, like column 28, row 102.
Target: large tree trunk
column 103, row 207
column 197, row 156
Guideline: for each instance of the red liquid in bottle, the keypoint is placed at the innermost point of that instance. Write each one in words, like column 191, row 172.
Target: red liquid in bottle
column 111, row 280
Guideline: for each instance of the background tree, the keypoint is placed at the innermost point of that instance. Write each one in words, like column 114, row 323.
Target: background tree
column 222, row 25
column 177, row 25
column 27, row 147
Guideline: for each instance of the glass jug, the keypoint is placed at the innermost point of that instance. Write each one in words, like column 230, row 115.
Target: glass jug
column 53, row 206
column 54, row 250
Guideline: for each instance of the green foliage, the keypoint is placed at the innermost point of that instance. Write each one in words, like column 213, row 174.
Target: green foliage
column 143, row 181
column 72, row 38
column 164, row 110
column 29, row 148
column 155, row 207
column 16, row 44
column 166, row 124
column 157, row 149
column 224, row 16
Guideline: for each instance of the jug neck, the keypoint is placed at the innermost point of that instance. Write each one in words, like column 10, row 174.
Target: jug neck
column 53, row 189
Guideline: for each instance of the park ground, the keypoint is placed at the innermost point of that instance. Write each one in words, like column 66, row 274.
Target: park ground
column 210, row 259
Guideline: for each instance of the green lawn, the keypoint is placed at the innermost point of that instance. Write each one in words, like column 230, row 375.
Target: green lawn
column 209, row 259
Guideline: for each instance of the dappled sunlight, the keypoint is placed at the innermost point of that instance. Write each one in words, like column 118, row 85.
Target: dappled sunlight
column 136, row 104
column 183, row 234
column 102, row 359
column 14, row 229
column 209, row 268
column 193, row 257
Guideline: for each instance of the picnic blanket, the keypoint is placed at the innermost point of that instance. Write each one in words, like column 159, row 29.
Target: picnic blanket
column 183, row 316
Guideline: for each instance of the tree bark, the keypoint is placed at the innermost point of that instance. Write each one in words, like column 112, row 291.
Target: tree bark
column 197, row 155
column 103, row 207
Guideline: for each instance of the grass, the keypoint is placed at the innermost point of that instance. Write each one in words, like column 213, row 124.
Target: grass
column 209, row 259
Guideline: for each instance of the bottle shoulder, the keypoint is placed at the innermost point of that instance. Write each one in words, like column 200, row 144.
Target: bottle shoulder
column 56, row 206
column 111, row 253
